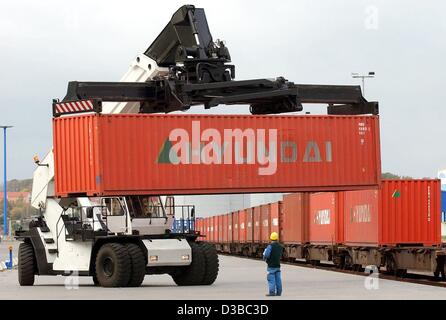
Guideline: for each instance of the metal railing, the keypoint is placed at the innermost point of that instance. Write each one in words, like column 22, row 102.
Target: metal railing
column 186, row 221
column 81, row 226
column 76, row 224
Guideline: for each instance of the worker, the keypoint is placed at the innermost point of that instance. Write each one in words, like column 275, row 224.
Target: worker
column 272, row 256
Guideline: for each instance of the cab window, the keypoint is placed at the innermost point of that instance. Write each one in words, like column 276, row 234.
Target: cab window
column 114, row 207
column 146, row 207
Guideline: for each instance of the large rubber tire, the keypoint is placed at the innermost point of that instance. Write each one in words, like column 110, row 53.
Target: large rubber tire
column 27, row 264
column 138, row 265
column 211, row 263
column 193, row 274
column 113, row 265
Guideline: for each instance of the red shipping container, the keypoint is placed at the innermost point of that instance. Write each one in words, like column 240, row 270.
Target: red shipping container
column 401, row 212
column 230, row 231
column 235, row 227
column 178, row 154
column 416, row 205
column 325, row 221
column 361, row 215
column 257, row 224
column 294, row 218
column 249, row 221
column 243, row 226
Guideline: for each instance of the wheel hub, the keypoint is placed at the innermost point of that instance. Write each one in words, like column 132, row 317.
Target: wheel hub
column 108, row 266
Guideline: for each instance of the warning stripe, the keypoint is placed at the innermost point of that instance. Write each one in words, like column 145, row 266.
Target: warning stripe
column 85, row 105
column 74, row 106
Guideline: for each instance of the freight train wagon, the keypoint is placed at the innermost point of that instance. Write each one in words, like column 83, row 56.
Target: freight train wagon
column 396, row 226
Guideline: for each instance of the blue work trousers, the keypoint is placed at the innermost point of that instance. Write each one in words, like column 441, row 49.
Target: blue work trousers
column 274, row 278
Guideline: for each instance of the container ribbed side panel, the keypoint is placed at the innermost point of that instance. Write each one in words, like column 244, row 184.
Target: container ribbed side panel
column 208, row 154
column 410, row 212
column 76, row 155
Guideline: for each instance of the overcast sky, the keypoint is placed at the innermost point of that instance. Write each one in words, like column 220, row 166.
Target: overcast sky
column 45, row 44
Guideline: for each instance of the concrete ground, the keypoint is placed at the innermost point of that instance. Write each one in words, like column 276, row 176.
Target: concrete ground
column 238, row 279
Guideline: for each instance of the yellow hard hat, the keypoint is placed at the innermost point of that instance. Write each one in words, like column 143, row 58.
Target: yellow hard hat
column 274, row 236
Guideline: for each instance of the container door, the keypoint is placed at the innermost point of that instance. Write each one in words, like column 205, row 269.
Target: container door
column 361, row 217
column 114, row 214
column 323, row 218
column 294, row 218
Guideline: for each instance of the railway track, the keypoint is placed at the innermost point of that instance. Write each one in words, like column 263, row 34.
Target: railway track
column 415, row 278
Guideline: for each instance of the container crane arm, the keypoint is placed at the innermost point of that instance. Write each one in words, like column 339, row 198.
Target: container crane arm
column 176, row 95
column 184, row 67
column 264, row 96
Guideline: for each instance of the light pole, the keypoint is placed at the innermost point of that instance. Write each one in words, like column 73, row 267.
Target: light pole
column 5, row 198
column 371, row 74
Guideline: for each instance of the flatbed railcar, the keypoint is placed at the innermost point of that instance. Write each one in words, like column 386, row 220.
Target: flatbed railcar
column 395, row 260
